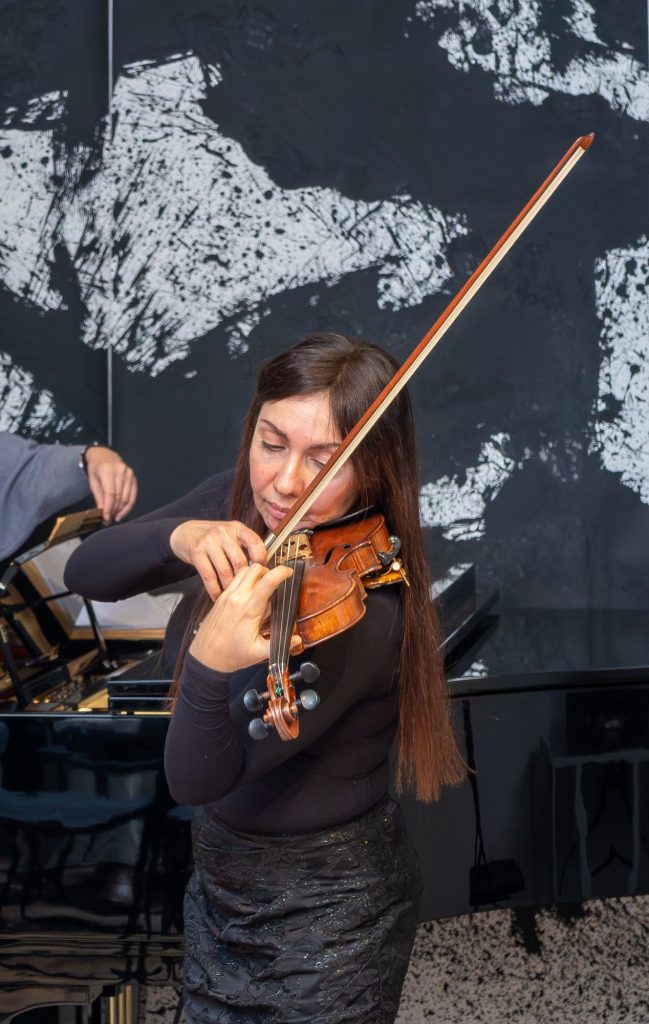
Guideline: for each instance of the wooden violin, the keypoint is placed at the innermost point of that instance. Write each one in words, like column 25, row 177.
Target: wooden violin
column 335, row 565
column 333, row 568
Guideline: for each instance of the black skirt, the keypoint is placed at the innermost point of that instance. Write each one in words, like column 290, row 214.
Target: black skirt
column 315, row 927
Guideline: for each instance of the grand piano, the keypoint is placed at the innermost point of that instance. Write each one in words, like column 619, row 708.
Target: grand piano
column 551, row 708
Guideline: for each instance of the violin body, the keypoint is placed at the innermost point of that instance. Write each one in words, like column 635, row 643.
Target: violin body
column 345, row 563
column 333, row 568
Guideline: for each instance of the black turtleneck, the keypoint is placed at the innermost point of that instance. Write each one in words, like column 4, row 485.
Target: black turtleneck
column 336, row 769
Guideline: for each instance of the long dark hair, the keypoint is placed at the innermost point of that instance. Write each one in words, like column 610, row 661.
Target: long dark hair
column 352, row 373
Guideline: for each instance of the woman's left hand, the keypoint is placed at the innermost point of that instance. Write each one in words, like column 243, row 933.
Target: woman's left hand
column 229, row 636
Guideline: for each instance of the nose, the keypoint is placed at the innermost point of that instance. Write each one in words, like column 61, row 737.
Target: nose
column 289, row 480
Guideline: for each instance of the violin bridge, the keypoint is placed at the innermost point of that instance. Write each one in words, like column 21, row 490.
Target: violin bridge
column 296, row 545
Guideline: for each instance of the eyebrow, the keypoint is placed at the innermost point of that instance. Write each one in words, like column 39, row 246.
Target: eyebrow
column 312, row 447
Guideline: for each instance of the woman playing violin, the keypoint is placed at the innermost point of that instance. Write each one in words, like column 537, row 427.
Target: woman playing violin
column 303, row 901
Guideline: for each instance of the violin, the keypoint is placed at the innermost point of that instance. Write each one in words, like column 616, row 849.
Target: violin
column 333, row 566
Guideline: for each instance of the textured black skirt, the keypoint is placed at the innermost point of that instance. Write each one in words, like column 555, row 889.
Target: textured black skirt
column 315, row 927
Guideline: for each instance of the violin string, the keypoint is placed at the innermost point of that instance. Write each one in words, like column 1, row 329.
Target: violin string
column 281, row 619
column 278, row 632
column 273, row 617
column 291, row 604
column 290, row 592
column 280, row 622
column 296, row 583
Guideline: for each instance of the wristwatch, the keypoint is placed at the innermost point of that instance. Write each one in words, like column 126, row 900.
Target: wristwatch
column 83, row 456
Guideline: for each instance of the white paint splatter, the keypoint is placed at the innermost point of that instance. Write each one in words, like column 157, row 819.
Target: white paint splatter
column 505, row 39
column 37, row 110
column 582, row 22
column 179, row 230
column 27, row 194
column 459, row 507
column 477, row 670
column 621, row 429
column 25, row 408
column 245, row 325
column 442, row 583
column 561, row 456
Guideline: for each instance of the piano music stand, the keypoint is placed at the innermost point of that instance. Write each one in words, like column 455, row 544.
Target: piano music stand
column 70, row 527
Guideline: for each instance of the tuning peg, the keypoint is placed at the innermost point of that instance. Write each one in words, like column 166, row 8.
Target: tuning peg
column 308, row 699
column 257, row 729
column 254, row 701
column 306, row 673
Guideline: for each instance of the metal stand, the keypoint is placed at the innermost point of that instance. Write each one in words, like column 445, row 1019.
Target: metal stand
column 122, row 1004
column 9, row 611
column 99, row 636
column 11, row 667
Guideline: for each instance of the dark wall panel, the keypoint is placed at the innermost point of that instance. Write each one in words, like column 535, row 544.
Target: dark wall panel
column 264, row 173
column 53, row 87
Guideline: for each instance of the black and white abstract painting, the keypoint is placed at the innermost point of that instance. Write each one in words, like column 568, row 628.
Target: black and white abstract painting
column 188, row 188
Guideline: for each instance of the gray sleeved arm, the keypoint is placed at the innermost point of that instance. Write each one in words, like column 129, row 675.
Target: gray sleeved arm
column 36, row 480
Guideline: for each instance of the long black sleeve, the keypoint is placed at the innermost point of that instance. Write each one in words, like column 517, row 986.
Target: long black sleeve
column 133, row 557
column 334, row 770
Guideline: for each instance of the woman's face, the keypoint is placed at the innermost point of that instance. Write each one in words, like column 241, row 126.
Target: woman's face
column 293, row 439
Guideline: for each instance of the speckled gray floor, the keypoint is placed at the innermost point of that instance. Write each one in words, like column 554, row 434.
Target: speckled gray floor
column 590, row 966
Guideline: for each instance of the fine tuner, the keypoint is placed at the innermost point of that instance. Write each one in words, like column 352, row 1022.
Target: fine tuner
column 308, row 700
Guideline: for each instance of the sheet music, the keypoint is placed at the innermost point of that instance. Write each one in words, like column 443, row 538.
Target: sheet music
column 145, row 611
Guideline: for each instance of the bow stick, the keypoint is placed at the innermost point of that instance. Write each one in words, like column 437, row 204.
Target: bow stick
column 349, row 444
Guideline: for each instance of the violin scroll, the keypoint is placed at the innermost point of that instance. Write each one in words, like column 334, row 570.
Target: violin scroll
column 283, row 706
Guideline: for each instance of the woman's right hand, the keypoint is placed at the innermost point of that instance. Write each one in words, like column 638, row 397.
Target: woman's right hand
column 217, row 550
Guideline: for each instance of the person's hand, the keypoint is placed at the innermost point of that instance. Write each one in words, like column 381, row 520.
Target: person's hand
column 112, row 482
column 217, row 550
column 229, row 638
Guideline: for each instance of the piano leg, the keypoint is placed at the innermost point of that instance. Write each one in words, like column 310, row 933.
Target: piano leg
column 122, row 1004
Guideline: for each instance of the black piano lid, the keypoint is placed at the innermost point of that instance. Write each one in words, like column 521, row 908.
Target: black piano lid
column 541, row 648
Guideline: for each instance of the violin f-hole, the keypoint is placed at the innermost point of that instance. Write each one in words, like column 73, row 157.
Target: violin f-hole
column 330, row 552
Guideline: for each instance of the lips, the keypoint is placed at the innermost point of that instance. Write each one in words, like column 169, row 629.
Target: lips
column 275, row 512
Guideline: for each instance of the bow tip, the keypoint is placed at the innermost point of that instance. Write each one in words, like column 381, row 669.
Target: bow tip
column 585, row 140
